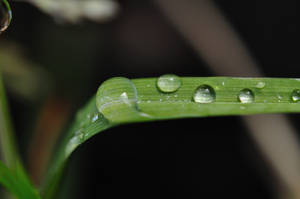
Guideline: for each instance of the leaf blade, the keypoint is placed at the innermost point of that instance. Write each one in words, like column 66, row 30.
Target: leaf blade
column 16, row 182
column 121, row 101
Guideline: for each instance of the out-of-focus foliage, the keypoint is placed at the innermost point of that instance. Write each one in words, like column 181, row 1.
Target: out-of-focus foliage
column 21, row 76
column 16, row 181
column 73, row 11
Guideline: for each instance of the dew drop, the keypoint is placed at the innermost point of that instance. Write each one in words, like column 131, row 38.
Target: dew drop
column 118, row 90
column 296, row 95
column 260, row 85
column 246, row 96
column 5, row 15
column 72, row 144
column 79, row 131
column 117, row 99
column 279, row 98
column 204, row 94
column 95, row 117
column 168, row 83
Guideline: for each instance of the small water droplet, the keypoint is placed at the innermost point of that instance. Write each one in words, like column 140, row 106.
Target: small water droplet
column 279, row 98
column 223, row 83
column 79, row 131
column 72, row 144
column 95, row 117
column 260, row 85
column 296, row 95
column 5, row 15
column 204, row 94
column 168, row 83
column 246, row 96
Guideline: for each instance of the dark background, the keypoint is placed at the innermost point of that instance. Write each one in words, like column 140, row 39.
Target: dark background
column 188, row 158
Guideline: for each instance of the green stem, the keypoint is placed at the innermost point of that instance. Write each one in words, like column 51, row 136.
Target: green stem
column 7, row 138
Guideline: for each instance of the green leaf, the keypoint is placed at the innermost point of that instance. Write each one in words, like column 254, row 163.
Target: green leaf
column 120, row 100
column 13, row 178
column 16, row 182
column 88, row 122
column 7, row 137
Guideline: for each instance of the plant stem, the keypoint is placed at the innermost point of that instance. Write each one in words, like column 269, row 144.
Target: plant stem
column 7, row 137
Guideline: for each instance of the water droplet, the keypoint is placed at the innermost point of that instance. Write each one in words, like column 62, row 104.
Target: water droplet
column 95, row 117
column 78, row 132
column 246, row 96
column 117, row 99
column 88, row 116
column 296, row 95
column 242, row 107
column 72, row 144
column 168, row 83
column 260, row 85
column 204, row 94
column 5, row 15
column 279, row 98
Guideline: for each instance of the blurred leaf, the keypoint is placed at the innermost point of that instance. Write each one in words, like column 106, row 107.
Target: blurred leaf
column 22, row 77
column 16, row 182
column 8, row 145
column 74, row 11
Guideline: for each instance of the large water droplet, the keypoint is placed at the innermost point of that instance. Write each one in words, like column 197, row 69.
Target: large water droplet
column 204, row 94
column 117, row 100
column 246, row 96
column 168, row 83
column 5, row 15
column 296, row 95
